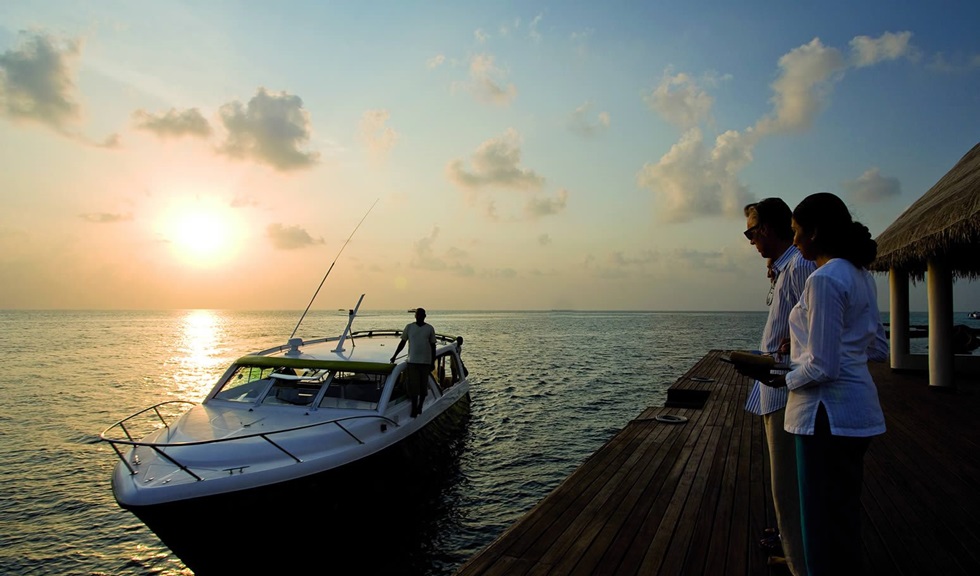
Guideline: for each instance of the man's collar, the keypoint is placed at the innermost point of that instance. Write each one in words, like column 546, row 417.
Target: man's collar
column 781, row 262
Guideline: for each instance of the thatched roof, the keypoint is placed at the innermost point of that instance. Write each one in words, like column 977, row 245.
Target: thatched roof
column 944, row 222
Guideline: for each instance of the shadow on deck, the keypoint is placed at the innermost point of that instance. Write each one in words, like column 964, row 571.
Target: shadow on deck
column 693, row 497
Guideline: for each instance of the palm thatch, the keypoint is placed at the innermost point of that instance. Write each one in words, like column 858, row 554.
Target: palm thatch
column 944, row 223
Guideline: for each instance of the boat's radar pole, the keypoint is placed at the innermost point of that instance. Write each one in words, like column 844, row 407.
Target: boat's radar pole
column 350, row 320
column 328, row 273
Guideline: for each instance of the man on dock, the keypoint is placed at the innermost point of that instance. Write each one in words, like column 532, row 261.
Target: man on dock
column 768, row 228
column 421, row 338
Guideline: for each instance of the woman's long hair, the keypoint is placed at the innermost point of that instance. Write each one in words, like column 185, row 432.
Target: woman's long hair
column 824, row 217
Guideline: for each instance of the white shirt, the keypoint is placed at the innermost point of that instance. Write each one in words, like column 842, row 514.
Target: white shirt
column 420, row 341
column 791, row 270
column 834, row 330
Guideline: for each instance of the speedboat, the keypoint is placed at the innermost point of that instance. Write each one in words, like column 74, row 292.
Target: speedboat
column 301, row 410
column 975, row 315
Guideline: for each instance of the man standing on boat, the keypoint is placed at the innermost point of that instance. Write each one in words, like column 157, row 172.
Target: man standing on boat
column 768, row 228
column 421, row 338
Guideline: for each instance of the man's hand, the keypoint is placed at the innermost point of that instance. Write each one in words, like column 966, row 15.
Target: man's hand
column 784, row 346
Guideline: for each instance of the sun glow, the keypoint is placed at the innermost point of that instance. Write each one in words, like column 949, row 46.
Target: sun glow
column 201, row 231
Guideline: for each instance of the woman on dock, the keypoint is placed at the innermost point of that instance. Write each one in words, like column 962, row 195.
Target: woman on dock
column 833, row 404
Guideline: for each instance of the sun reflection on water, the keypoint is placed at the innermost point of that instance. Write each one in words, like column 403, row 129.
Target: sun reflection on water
column 198, row 357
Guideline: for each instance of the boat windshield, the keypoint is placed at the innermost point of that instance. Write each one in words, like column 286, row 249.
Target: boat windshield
column 284, row 385
column 288, row 385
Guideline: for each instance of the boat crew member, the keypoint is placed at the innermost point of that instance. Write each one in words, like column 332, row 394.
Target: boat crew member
column 421, row 338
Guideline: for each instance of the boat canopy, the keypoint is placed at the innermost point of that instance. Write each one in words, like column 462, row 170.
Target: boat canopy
column 285, row 362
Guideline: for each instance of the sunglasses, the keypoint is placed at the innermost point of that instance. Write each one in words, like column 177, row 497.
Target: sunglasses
column 750, row 233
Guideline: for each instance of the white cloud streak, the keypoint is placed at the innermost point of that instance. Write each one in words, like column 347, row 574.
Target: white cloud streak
column 866, row 51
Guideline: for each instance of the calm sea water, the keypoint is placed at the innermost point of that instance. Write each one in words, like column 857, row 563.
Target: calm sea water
column 548, row 389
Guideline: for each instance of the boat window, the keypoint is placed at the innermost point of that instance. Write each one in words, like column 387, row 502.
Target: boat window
column 292, row 387
column 360, row 390
column 245, row 384
column 447, row 370
column 398, row 393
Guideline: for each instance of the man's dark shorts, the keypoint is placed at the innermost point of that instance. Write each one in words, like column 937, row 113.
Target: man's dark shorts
column 418, row 379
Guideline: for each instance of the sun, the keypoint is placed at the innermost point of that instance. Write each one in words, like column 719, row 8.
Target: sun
column 201, row 231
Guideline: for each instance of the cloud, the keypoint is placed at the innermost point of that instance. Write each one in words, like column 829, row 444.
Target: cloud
column 173, row 123
column 581, row 123
column 544, row 239
column 680, row 100
column 580, row 40
column 496, row 163
column 480, row 36
column 866, row 51
column 692, row 181
column 243, row 201
column 424, row 257
column 958, row 64
column 380, row 139
column 290, row 237
column 105, row 217
column 616, row 264
column 505, row 273
column 806, row 76
column 37, row 81
column 488, row 83
column 873, row 187
column 436, row 61
column 695, row 178
column 110, row 141
column 539, row 207
column 532, row 28
column 269, row 129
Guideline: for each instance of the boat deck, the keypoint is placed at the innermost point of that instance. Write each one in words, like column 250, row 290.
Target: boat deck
column 693, row 498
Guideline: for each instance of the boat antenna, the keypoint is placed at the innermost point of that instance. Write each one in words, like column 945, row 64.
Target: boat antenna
column 331, row 268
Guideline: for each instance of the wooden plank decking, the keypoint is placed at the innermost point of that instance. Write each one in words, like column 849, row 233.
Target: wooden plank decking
column 693, row 498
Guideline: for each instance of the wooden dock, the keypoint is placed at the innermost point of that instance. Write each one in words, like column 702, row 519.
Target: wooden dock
column 693, row 497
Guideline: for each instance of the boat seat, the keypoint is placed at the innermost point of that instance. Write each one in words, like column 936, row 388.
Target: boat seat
column 300, row 396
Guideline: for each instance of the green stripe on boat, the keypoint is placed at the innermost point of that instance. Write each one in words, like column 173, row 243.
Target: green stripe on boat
column 279, row 361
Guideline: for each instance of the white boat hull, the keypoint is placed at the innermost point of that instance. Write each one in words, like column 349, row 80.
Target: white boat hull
column 256, row 462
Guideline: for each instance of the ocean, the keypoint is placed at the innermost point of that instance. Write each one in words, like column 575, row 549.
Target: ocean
column 548, row 389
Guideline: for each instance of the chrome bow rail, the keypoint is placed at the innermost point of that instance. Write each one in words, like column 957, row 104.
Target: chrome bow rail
column 158, row 447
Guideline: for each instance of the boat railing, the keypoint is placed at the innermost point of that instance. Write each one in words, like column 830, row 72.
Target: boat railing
column 159, row 447
column 443, row 338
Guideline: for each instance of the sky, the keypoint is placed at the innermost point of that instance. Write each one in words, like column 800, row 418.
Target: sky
column 457, row 155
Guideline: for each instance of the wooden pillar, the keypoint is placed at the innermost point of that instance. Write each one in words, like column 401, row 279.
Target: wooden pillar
column 898, row 319
column 939, row 287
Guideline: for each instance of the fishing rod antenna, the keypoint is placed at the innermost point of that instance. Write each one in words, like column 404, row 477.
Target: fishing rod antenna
column 331, row 268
